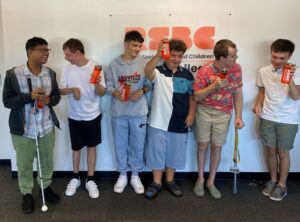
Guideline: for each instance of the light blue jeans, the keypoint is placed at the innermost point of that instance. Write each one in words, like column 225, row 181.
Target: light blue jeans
column 129, row 139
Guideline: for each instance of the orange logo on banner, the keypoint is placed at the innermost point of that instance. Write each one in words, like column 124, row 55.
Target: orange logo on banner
column 202, row 37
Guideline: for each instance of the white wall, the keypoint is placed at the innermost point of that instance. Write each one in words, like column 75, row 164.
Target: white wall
column 5, row 142
column 254, row 25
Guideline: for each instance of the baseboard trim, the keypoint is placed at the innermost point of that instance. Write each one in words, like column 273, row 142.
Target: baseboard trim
column 5, row 162
column 107, row 175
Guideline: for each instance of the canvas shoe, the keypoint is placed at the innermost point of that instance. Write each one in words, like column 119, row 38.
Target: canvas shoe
column 278, row 193
column 137, row 185
column 91, row 186
column 199, row 189
column 121, row 184
column 269, row 187
column 214, row 192
column 72, row 186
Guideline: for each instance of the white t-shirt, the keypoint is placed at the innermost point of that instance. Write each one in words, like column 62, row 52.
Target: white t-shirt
column 161, row 106
column 88, row 106
column 278, row 106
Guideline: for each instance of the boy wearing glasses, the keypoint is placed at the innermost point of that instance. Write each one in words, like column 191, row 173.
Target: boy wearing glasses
column 25, row 85
column 218, row 90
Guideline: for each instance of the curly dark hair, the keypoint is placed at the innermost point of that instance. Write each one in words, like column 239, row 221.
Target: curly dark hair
column 177, row 45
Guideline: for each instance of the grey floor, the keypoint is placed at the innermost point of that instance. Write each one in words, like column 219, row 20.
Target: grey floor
column 248, row 205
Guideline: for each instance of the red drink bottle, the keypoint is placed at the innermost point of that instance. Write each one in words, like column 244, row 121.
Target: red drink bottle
column 96, row 72
column 286, row 73
column 165, row 52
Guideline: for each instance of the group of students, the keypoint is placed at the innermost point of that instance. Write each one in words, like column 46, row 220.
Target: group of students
column 178, row 102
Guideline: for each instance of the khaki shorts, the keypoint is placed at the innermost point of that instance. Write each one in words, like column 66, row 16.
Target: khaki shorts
column 277, row 135
column 211, row 125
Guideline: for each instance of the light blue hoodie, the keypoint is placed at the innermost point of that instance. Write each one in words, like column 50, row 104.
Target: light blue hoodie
column 119, row 71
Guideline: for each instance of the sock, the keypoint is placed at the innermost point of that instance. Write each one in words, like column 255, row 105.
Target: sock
column 76, row 175
column 89, row 178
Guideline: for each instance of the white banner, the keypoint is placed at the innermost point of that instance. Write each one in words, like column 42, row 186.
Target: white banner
column 199, row 32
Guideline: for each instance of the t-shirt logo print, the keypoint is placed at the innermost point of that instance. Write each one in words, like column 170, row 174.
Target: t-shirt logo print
column 134, row 78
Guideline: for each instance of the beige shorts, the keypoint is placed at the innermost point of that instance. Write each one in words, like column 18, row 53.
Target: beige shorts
column 211, row 125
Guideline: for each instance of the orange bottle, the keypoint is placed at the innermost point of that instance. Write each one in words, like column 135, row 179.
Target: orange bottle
column 39, row 104
column 165, row 52
column 286, row 73
column 126, row 91
column 96, row 72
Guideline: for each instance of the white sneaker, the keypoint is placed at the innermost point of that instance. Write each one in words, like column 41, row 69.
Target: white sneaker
column 91, row 186
column 137, row 185
column 72, row 186
column 121, row 184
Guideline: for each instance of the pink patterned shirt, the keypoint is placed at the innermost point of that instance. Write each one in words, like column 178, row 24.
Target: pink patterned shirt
column 221, row 99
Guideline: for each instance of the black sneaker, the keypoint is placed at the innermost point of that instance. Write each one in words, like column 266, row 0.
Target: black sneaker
column 50, row 196
column 28, row 204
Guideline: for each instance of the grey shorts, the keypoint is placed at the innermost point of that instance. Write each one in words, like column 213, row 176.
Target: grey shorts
column 211, row 125
column 277, row 135
column 165, row 149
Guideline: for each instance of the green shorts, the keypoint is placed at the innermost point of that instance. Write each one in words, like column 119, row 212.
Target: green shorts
column 277, row 135
column 211, row 125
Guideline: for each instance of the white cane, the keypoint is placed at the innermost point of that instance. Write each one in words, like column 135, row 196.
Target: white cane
column 44, row 207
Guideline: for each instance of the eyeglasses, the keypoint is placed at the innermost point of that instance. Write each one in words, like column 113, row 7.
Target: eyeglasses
column 43, row 50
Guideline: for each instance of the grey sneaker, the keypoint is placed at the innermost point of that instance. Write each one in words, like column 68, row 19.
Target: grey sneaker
column 278, row 193
column 269, row 187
